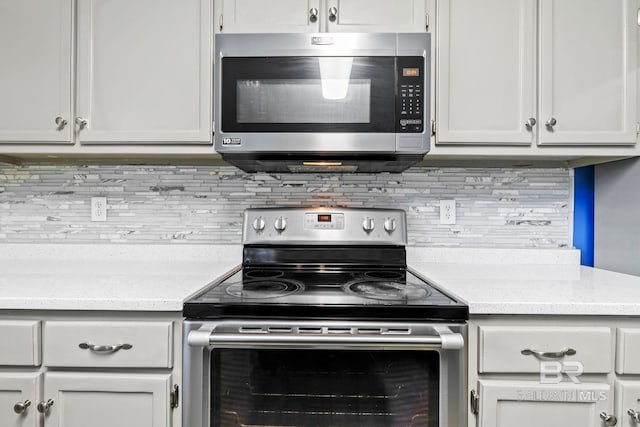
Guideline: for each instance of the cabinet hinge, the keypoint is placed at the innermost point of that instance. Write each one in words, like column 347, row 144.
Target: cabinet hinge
column 426, row 22
column 174, row 397
column 433, row 128
column 220, row 21
column 474, row 402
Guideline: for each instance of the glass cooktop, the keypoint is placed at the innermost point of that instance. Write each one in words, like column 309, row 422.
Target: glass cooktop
column 325, row 293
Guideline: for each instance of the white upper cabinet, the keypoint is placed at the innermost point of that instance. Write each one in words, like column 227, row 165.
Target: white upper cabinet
column 288, row 16
column 486, row 71
column 273, row 16
column 588, row 71
column 402, row 16
column 143, row 71
column 35, row 75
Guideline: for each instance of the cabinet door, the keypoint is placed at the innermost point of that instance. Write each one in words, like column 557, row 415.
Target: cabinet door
column 18, row 388
column 588, row 72
column 402, row 16
column 35, row 75
column 627, row 398
column 486, row 71
column 107, row 400
column 531, row 404
column 144, row 71
column 273, row 16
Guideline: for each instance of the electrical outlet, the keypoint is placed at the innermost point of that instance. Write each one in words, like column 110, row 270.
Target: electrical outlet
column 98, row 209
column 447, row 212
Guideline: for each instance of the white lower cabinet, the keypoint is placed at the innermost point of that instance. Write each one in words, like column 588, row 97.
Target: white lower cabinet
column 107, row 399
column 531, row 404
column 628, row 402
column 18, row 393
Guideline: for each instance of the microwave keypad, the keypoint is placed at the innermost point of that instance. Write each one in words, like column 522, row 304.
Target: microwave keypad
column 410, row 95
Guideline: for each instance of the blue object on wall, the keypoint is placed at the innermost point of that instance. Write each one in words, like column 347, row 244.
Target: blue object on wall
column 583, row 215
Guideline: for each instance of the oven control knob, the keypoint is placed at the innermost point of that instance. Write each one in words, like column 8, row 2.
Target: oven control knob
column 368, row 224
column 280, row 224
column 258, row 224
column 390, row 225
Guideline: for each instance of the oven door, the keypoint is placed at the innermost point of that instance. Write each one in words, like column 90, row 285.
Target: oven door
column 323, row 374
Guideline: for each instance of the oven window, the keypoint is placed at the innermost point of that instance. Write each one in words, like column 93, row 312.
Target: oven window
column 308, row 94
column 324, row 388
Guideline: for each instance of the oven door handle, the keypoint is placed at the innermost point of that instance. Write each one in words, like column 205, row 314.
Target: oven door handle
column 443, row 339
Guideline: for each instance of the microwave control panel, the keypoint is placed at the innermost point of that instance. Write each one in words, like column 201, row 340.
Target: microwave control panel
column 410, row 94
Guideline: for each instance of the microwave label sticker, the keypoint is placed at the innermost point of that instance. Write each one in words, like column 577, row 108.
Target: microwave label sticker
column 231, row 141
column 321, row 40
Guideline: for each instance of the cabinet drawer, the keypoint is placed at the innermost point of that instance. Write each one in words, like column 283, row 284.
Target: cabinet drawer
column 87, row 344
column 20, row 342
column 500, row 348
column 628, row 352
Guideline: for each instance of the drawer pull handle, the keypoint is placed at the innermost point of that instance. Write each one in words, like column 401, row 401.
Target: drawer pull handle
column 635, row 416
column 609, row 420
column 104, row 349
column 21, row 407
column 43, row 407
column 549, row 354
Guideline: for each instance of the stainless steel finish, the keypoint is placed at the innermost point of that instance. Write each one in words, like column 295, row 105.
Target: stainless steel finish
column 390, row 225
column 81, row 122
column 104, row 349
column 529, row 124
column 313, row 14
column 258, row 224
column 368, row 224
column 61, row 122
column 351, row 233
column 550, row 124
column 21, row 407
column 43, row 407
column 635, row 416
column 280, row 224
column 609, row 420
column 548, row 354
column 196, row 387
column 342, row 44
column 333, row 13
column 319, row 334
column 474, row 402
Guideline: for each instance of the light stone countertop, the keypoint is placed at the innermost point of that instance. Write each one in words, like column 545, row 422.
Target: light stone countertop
column 161, row 277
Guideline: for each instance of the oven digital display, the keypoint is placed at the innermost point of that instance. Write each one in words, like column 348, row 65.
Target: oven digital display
column 411, row 72
column 324, row 218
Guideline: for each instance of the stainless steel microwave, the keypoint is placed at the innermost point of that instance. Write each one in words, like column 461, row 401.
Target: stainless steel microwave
column 343, row 102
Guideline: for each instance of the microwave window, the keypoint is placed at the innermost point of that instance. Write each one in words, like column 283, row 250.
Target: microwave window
column 331, row 100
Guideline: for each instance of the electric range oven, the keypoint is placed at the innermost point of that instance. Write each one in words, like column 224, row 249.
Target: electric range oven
column 323, row 324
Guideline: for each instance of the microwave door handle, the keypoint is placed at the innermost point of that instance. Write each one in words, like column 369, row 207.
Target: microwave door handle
column 444, row 339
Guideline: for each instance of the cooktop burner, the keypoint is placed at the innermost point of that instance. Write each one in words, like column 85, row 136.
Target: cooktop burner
column 267, row 288
column 386, row 290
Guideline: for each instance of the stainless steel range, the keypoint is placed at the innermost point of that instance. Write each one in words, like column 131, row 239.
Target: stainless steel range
column 323, row 324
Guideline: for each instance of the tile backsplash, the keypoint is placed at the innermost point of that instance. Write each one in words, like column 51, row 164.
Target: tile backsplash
column 173, row 204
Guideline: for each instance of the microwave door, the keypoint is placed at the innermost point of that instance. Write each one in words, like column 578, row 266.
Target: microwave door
column 308, row 95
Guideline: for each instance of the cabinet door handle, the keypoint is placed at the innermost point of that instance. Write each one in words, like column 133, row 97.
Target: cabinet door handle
column 550, row 124
column 529, row 124
column 104, row 349
column 609, row 420
column 313, row 15
column 548, row 354
column 333, row 14
column 21, row 407
column 81, row 122
column 635, row 416
column 43, row 407
column 61, row 122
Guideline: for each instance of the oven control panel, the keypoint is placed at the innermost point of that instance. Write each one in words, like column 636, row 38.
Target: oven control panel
column 315, row 226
